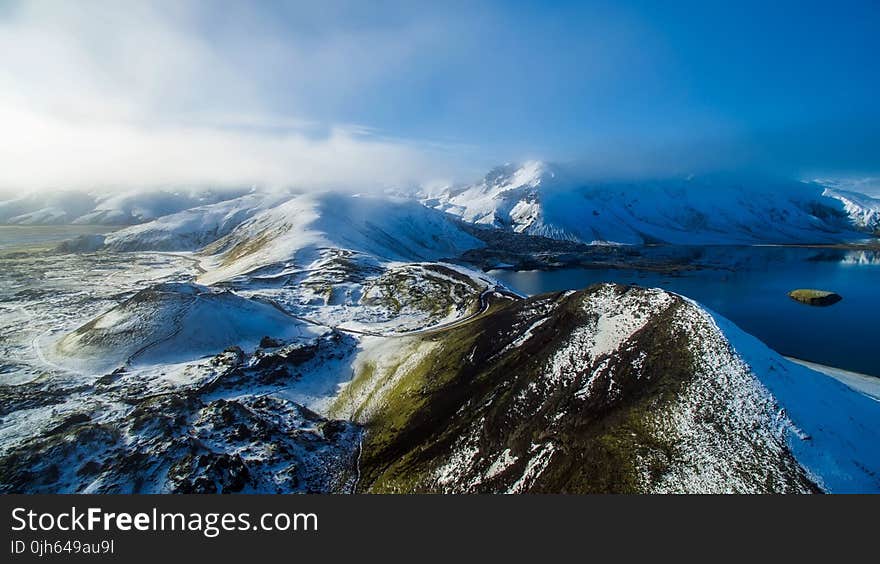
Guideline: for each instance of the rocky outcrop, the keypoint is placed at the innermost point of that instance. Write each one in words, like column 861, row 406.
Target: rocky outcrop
column 815, row 297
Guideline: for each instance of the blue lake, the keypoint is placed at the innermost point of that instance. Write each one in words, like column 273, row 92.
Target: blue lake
column 749, row 285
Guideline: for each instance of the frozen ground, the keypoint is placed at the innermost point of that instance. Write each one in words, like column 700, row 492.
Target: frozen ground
column 228, row 369
column 43, row 296
column 120, row 374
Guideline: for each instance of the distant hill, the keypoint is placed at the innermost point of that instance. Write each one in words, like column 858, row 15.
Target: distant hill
column 537, row 198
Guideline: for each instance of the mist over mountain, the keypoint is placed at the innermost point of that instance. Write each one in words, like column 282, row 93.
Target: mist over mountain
column 267, row 247
column 534, row 198
column 548, row 200
column 268, row 340
column 106, row 207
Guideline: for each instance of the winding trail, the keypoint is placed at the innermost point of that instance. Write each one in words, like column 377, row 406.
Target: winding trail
column 439, row 328
column 442, row 327
column 189, row 257
column 483, row 299
column 38, row 351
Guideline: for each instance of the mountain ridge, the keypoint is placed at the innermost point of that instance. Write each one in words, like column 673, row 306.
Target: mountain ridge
column 532, row 198
column 541, row 199
column 611, row 389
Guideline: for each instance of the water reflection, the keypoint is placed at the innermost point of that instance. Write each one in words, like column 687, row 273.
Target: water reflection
column 862, row 258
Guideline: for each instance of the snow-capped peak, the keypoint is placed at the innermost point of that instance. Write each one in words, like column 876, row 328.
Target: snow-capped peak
column 864, row 211
column 508, row 197
column 536, row 199
column 530, row 174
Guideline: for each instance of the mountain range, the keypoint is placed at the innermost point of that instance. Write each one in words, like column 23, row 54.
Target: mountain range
column 533, row 198
column 287, row 341
column 540, row 199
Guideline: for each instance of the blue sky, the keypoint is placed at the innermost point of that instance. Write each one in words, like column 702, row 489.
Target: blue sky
column 436, row 89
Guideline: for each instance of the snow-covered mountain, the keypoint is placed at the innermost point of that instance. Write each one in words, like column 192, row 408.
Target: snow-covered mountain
column 171, row 322
column 263, row 229
column 540, row 199
column 609, row 389
column 319, row 342
column 193, row 228
column 56, row 207
column 296, row 232
column 46, row 208
column 864, row 211
column 534, row 198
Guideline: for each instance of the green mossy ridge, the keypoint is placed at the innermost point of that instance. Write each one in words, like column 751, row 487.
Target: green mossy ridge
column 601, row 446
column 242, row 249
column 610, row 445
column 361, row 379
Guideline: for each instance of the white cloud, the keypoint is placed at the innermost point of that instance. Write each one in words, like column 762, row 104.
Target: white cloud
column 43, row 151
column 140, row 94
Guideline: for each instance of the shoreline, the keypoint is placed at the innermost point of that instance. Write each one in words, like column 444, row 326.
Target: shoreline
column 863, row 383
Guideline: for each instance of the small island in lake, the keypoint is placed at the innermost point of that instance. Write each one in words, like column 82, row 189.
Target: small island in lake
column 815, row 297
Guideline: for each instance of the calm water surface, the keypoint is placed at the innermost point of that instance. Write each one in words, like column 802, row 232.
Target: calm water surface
column 749, row 286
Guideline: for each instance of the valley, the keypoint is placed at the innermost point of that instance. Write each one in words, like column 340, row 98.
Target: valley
column 288, row 342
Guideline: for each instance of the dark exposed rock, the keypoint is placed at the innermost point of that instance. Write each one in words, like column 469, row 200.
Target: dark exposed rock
column 32, row 395
column 209, row 473
column 270, row 343
column 69, row 422
column 40, row 465
column 109, row 379
column 332, row 429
